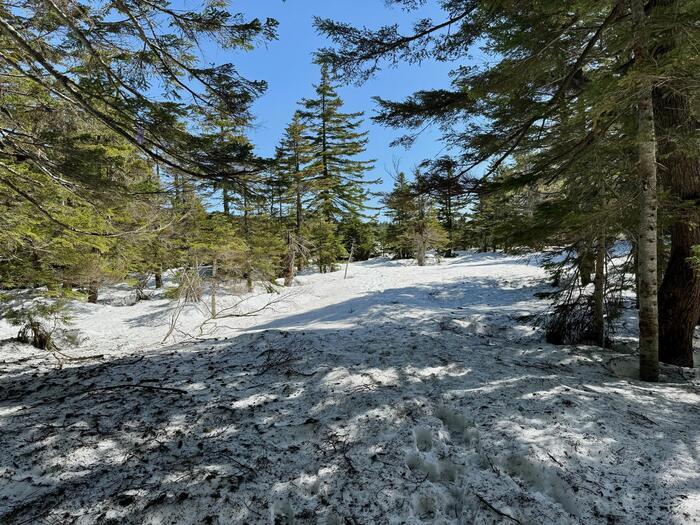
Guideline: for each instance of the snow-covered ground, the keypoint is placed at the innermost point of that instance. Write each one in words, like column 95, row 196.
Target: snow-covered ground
column 400, row 395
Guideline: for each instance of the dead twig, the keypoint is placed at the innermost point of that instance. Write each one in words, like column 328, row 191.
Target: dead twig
column 151, row 388
column 499, row 512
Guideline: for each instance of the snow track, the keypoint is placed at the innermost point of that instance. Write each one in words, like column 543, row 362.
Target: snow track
column 401, row 395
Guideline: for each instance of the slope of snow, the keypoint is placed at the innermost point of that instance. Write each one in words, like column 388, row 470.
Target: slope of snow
column 400, row 395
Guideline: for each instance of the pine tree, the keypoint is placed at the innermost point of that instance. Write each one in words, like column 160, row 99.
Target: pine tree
column 326, row 245
column 443, row 183
column 293, row 163
column 340, row 186
column 400, row 209
column 559, row 89
column 426, row 231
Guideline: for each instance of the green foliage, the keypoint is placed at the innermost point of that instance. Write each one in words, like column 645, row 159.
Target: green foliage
column 547, row 120
column 339, row 184
column 426, row 231
column 140, row 78
column 296, row 170
column 444, row 185
column 401, row 209
column 38, row 318
column 414, row 229
column 326, row 244
column 360, row 236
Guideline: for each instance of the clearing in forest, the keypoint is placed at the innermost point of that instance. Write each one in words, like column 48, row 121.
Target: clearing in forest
column 402, row 394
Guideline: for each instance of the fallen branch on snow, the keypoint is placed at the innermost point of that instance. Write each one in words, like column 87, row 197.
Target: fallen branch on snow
column 499, row 512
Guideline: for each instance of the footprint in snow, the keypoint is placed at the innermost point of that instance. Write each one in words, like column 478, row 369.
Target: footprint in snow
column 282, row 513
column 424, row 506
column 459, row 426
column 424, row 438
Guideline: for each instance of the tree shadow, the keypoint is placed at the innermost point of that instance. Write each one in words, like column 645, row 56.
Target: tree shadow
column 402, row 417
column 475, row 295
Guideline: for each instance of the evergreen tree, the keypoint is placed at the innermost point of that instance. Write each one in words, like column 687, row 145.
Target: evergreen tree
column 426, row 231
column 360, row 236
column 400, row 209
column 293, row 162
column 560, row 87
column 340, row 186
column 414, row 228
column 132, row 77
column 674, row 62
column 326, row 245
column 443, row 183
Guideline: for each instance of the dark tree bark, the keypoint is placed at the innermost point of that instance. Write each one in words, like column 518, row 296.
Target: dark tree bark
column 226, row 201
column 679, row 295
column 599, row 293
column 299, row 212
column 93, row 290
column 648, row 279
column 586, row 263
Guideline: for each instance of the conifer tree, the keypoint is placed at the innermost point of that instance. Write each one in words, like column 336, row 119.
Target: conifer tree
column 138, row 78
column 293, row 162
column 359, row 236
column 673, row 49
column 340, row 185
column 401, row 209
column 443, row 183
column 426, row 231
column 326, row 245
column 560, row 87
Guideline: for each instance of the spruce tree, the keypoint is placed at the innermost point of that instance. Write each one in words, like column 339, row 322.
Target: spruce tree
column 326, row 245
column 294, row 167
column 359, row 236
column 340, row 185
column 132, row 76
column 400, row 208
column 443, row 183
column 560, row 87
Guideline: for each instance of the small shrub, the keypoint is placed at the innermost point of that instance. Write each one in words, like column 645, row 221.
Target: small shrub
column 38, row 320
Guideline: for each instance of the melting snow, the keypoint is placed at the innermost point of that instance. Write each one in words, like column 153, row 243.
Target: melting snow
column 400, row 395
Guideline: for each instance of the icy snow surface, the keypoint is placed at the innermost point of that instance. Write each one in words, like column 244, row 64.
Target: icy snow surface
column 400, row 395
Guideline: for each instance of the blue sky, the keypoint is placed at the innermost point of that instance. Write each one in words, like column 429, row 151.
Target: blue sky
column 286, row 64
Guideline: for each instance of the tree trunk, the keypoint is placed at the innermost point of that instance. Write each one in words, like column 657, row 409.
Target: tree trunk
column 158, row 280
column 586, row 263
column 599, row 293
column 648, row 282
column 93, row 290
column 635, row 262
column 246, row 226
column 420, row 248
column 299, row 212
column 450, row 224
column 290, row 262
column 213, row 288
column 226, row 201
column 679, row 295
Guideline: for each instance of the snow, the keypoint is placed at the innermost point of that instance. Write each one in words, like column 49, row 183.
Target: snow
column 403, row 394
